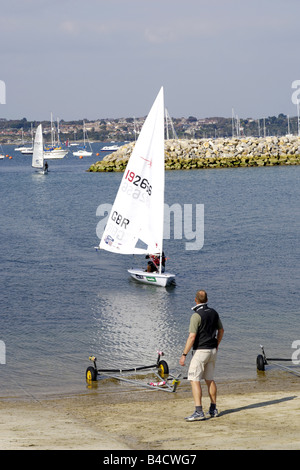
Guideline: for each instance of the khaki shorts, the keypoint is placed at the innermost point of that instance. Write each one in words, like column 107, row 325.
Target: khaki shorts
column 202, row 365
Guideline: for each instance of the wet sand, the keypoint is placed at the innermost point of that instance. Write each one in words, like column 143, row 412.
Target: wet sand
column 262, row 413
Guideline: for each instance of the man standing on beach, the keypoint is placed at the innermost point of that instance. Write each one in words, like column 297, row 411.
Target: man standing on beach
column 205, row 334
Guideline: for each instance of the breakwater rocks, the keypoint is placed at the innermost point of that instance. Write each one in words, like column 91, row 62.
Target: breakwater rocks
column 216, row 153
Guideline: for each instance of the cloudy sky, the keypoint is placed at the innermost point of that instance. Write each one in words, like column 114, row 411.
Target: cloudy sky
column 108, row 58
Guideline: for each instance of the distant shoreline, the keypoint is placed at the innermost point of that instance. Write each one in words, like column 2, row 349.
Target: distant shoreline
column 217, row 153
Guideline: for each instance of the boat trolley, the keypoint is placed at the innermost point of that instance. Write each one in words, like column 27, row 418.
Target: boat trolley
column 262, row 360
column 165, row 380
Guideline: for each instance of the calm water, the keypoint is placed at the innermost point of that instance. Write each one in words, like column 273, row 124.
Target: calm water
column 62, row 301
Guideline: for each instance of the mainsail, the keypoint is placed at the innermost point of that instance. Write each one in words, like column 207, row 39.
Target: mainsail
column 135, row 224
column 38, row 149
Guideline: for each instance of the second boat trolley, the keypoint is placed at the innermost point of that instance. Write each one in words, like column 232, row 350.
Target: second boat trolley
column 262, row 361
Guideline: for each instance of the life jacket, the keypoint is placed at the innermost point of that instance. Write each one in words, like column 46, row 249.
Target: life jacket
column 155, row 260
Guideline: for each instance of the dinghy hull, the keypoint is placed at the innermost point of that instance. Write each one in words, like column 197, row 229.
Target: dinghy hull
column 155, row 279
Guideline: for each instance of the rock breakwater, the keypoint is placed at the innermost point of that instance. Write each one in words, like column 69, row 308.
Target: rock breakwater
column 217, row 153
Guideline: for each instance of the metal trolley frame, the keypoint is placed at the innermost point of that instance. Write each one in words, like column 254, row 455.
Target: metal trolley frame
column 166, row 382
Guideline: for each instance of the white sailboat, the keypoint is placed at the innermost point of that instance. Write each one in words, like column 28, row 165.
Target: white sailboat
column 22, row 147
column 55, row 151
column 82, row 152
column 38, row 151
column 27, row 150
column 135, row 224
column 74, row 144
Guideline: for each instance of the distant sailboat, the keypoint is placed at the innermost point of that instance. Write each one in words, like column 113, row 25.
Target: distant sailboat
column 38, row 152
column 135, row 224
column 55, row 151
column 22, row 147
column 83, row 152
column 73, row 144
column 169, row 122
column 28, row 150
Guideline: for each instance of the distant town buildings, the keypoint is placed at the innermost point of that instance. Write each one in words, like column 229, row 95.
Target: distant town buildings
column 127, row 129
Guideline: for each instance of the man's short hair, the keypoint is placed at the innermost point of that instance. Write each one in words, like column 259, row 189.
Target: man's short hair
column 201, row 296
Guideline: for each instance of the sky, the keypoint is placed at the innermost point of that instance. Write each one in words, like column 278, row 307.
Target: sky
column 99, row 59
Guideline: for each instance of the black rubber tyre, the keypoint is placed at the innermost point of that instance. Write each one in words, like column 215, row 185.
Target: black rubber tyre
column 163, row 368
column 260, row 362
column 91, row 374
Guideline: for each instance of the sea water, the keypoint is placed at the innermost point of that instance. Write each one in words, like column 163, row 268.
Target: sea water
column 61, row 300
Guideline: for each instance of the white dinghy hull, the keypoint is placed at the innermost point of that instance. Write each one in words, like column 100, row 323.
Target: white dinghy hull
column 156, row 279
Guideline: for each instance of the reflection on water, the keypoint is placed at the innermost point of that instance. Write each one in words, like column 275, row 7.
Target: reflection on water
column 132, row 325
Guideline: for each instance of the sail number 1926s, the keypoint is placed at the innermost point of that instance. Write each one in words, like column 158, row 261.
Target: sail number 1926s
column 138, row 181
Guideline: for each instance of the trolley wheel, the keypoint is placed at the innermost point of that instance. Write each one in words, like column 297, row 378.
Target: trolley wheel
column 260, row 362
column 91, row 374
column 163, row 368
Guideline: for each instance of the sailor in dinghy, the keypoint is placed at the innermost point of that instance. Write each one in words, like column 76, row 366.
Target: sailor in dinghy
column 155, row 262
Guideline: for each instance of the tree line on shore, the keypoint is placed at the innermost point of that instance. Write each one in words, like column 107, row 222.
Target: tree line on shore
column 126, row 129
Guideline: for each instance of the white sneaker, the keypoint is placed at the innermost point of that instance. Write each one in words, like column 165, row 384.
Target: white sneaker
column 196, row 416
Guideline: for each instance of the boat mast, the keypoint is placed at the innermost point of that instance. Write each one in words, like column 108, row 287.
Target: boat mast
column 160, row 259
column 83, row 134
column 52, row 132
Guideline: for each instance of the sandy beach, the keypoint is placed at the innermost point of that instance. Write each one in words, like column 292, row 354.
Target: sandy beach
column 262, row 413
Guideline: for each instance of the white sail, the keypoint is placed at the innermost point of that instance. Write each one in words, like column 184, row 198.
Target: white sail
column 138, row 211
column 38, row 150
